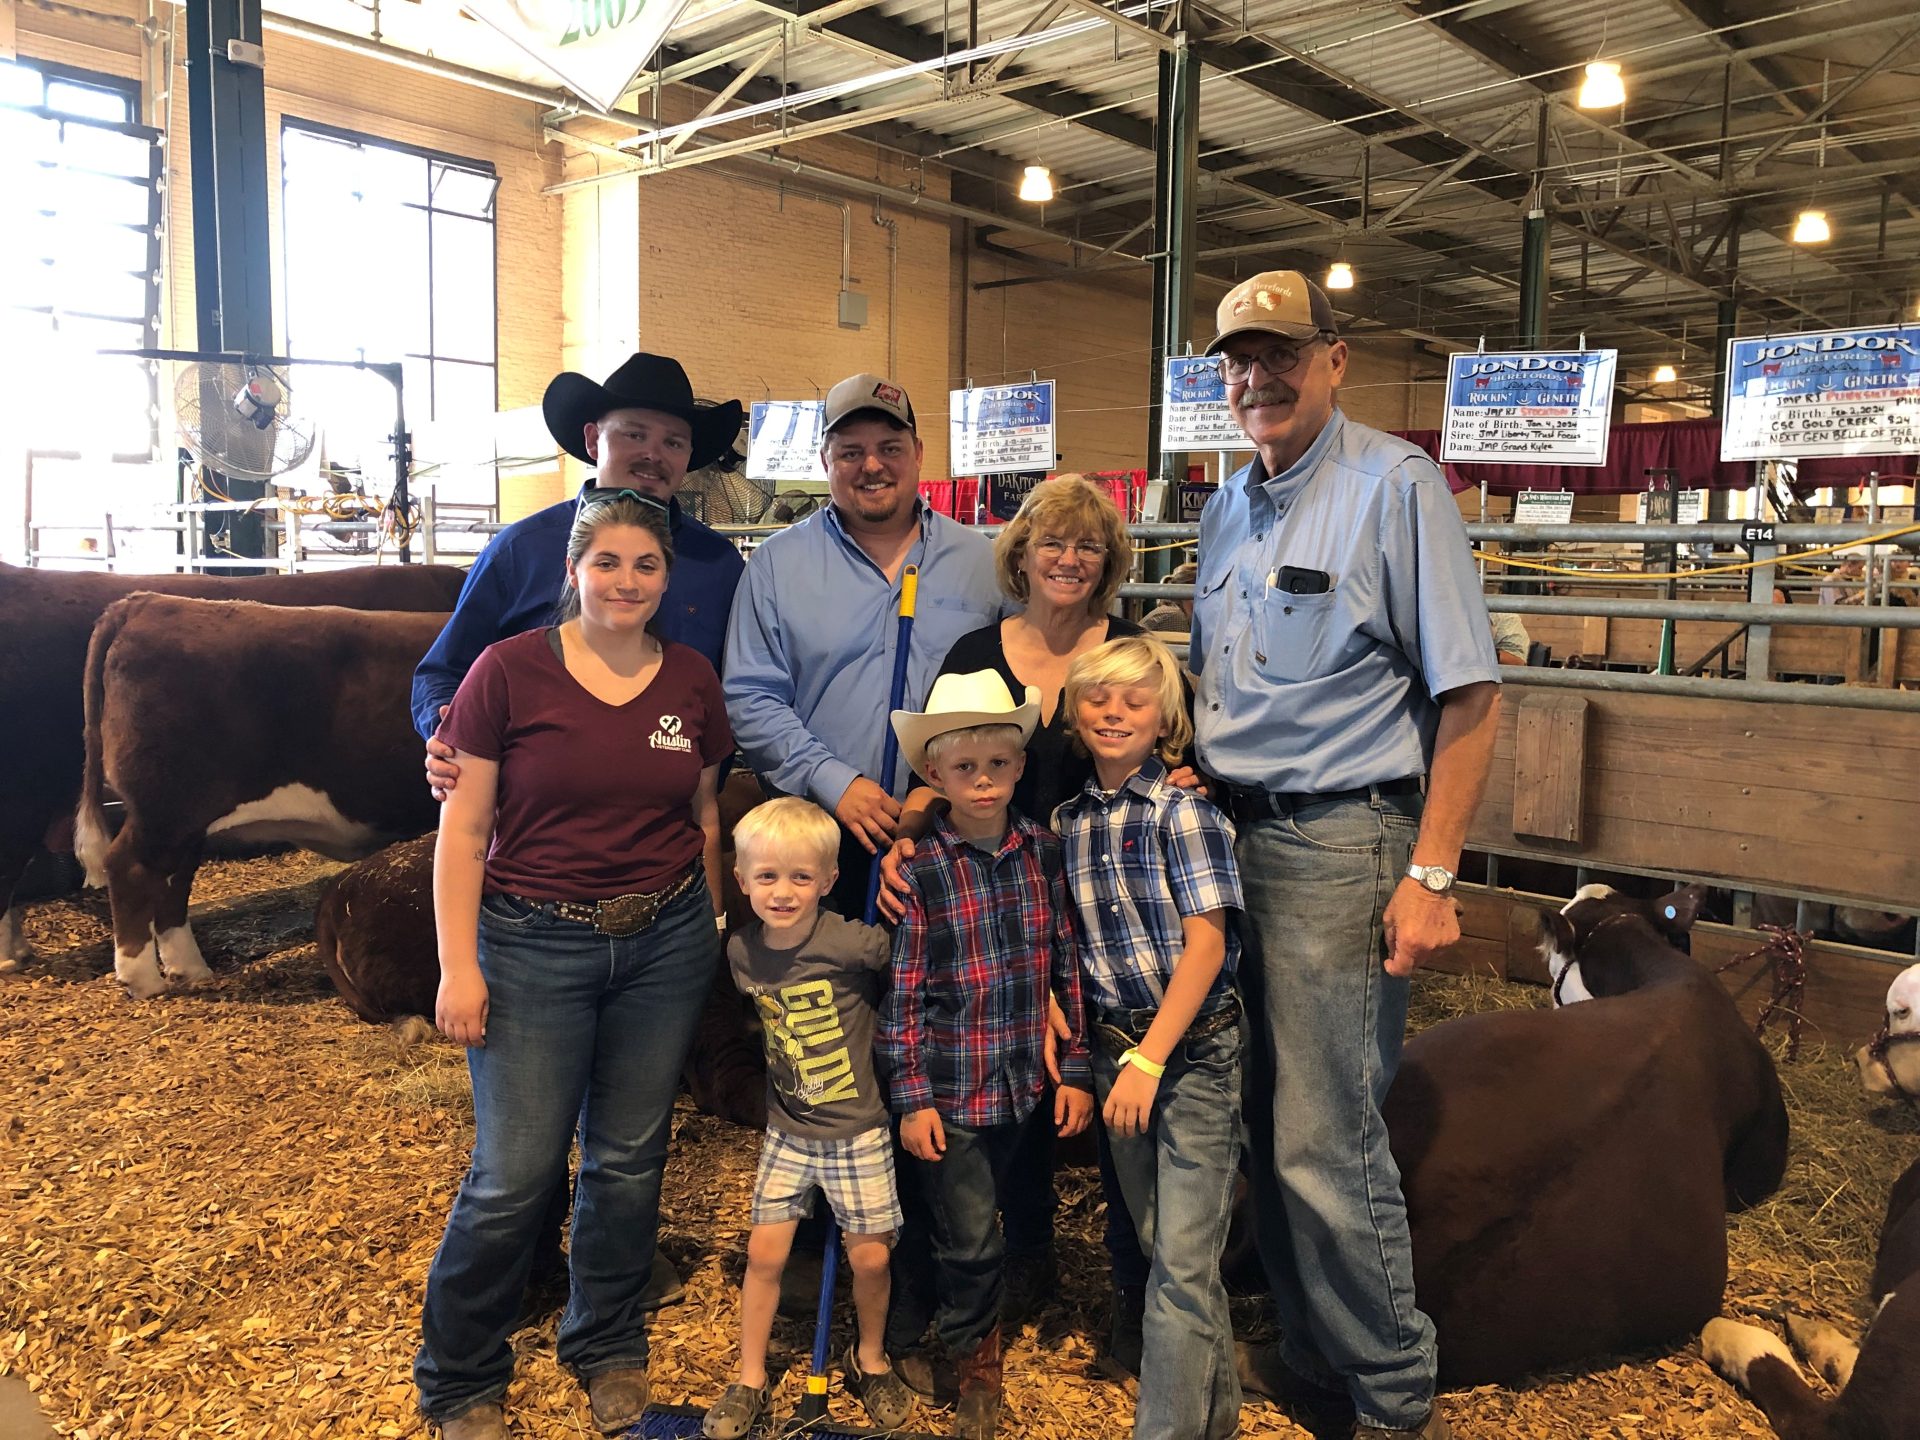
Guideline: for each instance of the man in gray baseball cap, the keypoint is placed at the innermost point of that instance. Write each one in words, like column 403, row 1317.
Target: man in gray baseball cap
column 1347, row 693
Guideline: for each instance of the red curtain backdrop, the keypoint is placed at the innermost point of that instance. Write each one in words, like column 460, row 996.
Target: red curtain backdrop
column 959, row 498
column 1691, row 447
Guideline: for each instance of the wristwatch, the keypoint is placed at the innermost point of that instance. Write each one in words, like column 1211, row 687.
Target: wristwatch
column 1436, row 879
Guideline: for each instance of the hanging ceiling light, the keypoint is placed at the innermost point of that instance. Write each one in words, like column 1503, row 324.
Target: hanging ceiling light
column 1340, row 276
column 1665, row 375
column 1810, row 227
column 1602, row 89
column 1037, row 184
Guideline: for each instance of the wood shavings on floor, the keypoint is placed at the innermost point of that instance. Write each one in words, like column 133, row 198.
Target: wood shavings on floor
column 217, row 1212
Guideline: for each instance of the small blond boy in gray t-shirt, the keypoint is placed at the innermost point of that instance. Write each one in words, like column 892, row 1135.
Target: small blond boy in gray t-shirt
column 814, row 980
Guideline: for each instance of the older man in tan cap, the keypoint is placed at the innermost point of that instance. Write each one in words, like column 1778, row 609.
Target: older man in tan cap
column 1347, row 693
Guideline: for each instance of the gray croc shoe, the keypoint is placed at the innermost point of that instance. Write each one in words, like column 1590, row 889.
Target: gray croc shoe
column 888, row 1400
column 738, row 1410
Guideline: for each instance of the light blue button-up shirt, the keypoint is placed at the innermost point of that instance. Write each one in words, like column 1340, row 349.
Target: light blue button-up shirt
column 811, row 643
column 1315, row 693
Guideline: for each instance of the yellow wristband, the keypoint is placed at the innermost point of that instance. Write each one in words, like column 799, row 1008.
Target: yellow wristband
column 1135, row 1058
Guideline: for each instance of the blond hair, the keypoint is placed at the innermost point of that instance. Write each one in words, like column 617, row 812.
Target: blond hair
column 1066, row 506
column 1135, row 660
column 783, row 826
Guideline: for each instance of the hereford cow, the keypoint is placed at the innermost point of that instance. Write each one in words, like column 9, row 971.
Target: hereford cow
column 45, row 619
column 270, row 725
column 374, row 928
column 1878, row 1380
column 1890, row 1062
column 1568, row 1172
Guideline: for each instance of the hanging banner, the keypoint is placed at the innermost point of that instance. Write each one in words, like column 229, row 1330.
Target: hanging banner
column 1007, row 493
column 1000, row 428
column 595, row 47
column 1828, row 392
column 783, row 440
column 1193, row 407
column 1529, row 408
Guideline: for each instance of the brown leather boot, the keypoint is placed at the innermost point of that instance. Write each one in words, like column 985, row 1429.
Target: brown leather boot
column 977, row 1414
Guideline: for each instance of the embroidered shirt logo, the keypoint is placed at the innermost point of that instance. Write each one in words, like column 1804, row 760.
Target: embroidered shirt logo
column 668, row 736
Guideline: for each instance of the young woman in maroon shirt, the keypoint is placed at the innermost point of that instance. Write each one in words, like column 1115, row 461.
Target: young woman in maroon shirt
column 574, row 894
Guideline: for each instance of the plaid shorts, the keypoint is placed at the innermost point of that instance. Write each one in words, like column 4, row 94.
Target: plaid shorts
column 854, row 1171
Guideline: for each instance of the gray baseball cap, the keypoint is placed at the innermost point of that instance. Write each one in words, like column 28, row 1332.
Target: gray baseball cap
column 868, row 392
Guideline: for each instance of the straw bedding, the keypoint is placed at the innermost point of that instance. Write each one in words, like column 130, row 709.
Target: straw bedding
column 217, row 1212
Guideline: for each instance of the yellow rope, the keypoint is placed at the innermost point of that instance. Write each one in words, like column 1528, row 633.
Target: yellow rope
column 1156, row 549
column 1732, row 569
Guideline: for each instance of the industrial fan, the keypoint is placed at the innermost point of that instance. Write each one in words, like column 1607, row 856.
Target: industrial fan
column 722, row 494
column 237, row 419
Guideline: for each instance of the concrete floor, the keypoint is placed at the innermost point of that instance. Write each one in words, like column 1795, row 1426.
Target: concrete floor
column 20, row 1414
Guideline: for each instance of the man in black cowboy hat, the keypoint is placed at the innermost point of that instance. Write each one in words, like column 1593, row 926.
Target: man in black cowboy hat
column 642, row 431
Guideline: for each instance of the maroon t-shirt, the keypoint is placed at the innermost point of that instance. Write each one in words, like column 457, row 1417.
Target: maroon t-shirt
column 595, row 800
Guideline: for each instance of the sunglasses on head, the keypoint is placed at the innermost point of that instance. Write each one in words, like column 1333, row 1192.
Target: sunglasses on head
column 590, row 493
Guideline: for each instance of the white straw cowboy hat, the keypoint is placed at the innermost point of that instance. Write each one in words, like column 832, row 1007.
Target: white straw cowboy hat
column 960, row 702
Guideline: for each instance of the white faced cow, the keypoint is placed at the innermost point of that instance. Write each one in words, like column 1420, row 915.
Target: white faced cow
column 1568, row 1173
column 265, row 724
column 1890, row 1062
column 46, row 617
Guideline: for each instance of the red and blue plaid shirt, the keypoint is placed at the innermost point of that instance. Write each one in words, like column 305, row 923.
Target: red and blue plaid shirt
column 984, row 938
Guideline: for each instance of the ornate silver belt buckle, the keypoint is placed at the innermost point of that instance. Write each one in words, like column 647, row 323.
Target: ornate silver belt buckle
column 626, row 914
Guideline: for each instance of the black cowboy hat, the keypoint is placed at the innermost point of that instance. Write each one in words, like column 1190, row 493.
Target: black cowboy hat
column 645, row 382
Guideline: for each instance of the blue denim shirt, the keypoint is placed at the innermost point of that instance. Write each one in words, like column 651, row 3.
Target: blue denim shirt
column 516, row 582
column 1338, row 690
column 810, row 648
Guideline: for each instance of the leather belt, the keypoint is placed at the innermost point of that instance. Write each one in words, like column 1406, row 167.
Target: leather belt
column 1118, row 1031
column 623, row 914
column 1250, row 802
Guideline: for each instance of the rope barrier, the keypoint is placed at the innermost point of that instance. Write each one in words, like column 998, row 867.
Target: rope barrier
column 1731, row 569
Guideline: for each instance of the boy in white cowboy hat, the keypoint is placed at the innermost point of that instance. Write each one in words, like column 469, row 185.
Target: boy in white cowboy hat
column 987, row 937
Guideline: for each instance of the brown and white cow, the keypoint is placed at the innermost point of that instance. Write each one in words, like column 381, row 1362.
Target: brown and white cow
column 1878, row 1379
column 1890, row 1062
column 267, row 724
column 1569, row 1172
column 46, row 617
column 375, row 932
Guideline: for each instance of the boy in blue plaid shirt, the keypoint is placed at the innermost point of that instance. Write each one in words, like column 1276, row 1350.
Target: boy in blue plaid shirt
column 1152, row 874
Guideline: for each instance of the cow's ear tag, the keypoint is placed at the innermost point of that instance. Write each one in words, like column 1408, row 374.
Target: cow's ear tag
column 1672, row 914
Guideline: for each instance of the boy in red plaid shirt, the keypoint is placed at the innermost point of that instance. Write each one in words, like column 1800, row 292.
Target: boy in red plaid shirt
column 986, row 940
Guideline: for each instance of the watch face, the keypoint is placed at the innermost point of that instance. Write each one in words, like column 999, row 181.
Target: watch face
column 1435, row 879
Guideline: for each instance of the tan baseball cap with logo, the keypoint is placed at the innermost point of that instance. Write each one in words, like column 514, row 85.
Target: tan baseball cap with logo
column 1279, row 302
column 867, row 392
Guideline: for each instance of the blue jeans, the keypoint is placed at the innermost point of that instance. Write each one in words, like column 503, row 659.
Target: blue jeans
column 968, row 1251
column 583, row 1030
column 1178, row 1182
column 1326, row 1023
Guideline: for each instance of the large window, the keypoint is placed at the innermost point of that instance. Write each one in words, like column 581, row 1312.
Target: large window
column 390, row 256
column 79, row 273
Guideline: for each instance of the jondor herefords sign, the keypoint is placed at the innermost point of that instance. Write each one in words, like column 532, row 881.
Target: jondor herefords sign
column 1831, row 392
column 1529, row 409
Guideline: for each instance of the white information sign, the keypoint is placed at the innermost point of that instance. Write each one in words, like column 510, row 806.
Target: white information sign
column 1528, row 408
column 1001, row 427
column 783, row 440
column 1543, row 507
column 596, row 47
column 1193, row 407
column 1830, row 392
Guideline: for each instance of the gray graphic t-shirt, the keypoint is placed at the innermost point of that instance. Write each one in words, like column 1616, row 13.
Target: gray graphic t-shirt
column 816, row 1006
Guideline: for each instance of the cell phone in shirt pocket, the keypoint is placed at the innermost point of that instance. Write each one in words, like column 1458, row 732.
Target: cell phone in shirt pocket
column 1298, row 580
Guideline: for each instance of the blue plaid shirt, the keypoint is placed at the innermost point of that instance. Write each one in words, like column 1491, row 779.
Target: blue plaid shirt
column 1139, row 860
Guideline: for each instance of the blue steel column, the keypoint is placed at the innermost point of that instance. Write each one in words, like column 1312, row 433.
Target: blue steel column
column 227, row 120
column 1176, row 160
